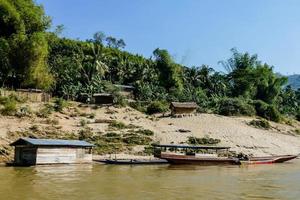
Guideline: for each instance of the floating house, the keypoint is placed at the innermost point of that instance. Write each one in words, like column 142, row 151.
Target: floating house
column 30, row 151
column 182, row 108
column 103, row 98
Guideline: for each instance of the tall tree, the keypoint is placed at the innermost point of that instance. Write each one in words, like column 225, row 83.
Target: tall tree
column 5, row 67
column 113, row 42
column 240, row 68
column 170, row 72
column 23, row 25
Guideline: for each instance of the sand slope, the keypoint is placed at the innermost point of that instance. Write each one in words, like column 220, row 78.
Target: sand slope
column 232, row 131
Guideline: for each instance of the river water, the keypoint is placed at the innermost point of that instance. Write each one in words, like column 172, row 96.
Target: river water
column 89, row 182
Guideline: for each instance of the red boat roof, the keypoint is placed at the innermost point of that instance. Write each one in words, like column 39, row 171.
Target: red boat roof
column 188, row 146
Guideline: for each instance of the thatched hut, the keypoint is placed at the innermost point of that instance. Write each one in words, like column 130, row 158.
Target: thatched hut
column 182, row 108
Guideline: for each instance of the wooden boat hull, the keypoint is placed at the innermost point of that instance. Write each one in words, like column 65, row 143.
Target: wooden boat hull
column 192, row 160
column 134, row 162
column 269, row 159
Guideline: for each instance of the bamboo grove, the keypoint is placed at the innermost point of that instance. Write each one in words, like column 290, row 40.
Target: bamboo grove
column 31, row 56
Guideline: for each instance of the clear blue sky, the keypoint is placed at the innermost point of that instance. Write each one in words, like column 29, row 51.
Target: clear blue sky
column 194, row 31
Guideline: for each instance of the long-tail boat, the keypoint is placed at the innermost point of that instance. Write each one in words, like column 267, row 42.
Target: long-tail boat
column 197, row 155
column 267, row 159
column 134, row 161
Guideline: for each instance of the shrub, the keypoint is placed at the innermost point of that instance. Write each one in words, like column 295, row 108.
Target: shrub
column 298, row 115
column 140, row 106
column 288, row 121
column 273, row 114
column 24, row 111
column 10, row 108
column 34, row 128
column 46, row 111
column 132, row 126
column 91, row 115
column 60, row 104
column 267, row 111
column 235, row 107
column 145, row 132
column 297, row 131
column 157, row 107
column 149, row 150
column 52, row 121
column 11, row 97
column 83, row 122
column 120, row 100
column 5, row 151
column 16, row 98
column 85, row 134
column 136, row 140
column 117, row 125
column 3, row 100
column 264, row 124
column 112, row 137
column 204, row 141
column 105, row 148
column 111, row 134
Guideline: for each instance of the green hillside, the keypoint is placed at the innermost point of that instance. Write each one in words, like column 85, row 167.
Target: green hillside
column 294, row 81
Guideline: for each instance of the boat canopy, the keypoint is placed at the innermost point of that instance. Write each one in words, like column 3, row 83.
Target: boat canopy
column 189, row 146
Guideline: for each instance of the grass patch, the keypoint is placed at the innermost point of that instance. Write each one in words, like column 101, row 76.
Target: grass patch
column 297, row 131
column 34, row 128
column 146, row 132
column 5, row 150
column 108, row 148
column 9, row 108
column 157, row 107
column 117, row 125
column 261, row 123
column 87, row 115
column 83, row 122
column 45, row 111
column 86, row 134
column 51, row 121
column 202, row 141
column 104, row 144
column 134, row 139
column 149, row 150
column 140, row 106
column 60, row 104
column 3, row 100
column 112, row 137
column 24, row 111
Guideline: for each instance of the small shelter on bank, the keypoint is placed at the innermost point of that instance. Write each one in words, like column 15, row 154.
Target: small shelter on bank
column 29, row 151
column 126, row 91
column 33, row 95
column 181, row 108
column 103, row 98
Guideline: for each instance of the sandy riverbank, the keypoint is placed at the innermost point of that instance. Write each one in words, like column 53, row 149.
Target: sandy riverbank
column 232, row 131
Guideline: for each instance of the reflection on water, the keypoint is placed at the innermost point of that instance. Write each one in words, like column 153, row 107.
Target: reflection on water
column 74, row 182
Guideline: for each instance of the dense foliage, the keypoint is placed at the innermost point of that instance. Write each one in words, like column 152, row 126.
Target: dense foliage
column 31, row 56
column 23, row 45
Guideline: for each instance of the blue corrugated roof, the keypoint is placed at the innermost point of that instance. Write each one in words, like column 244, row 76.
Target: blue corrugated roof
column 53, row 142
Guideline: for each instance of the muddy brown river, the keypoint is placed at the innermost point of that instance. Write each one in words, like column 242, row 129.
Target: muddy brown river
column 91, row 182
